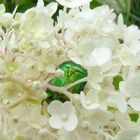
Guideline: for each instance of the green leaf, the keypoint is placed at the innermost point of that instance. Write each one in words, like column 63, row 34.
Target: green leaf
column 134, row 117
column 9, row 5
column 127, row 12
column 116, row 80
column 23, row 5
column 48, row 1
column 94, row 4
column 27, row 4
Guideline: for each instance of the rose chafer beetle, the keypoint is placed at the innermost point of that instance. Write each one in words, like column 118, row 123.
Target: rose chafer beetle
column 72, row 73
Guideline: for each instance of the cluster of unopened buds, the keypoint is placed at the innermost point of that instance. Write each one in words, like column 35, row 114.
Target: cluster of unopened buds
column 74, row 77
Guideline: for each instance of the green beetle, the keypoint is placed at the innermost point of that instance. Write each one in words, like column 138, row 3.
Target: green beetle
column 72, row 73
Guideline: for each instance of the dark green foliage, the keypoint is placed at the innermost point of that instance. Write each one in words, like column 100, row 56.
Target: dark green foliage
column 116, row 80
column 135, row 12
column 9, row 4
column 134, row 117
column 23, row 5
column 94, row 4
column 26, row 5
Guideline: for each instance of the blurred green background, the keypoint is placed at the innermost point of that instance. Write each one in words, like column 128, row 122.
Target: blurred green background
column 129, row 8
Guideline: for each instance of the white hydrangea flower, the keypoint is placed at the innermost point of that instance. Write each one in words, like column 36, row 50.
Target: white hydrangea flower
column 29, row 23
column 30, row 31
column 62, row 115
column 33, row 48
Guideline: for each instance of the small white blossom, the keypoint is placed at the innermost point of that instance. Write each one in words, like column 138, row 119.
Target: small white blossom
column 62, row 115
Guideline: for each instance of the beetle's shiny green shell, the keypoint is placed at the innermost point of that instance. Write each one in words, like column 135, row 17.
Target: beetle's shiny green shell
column 72, row 73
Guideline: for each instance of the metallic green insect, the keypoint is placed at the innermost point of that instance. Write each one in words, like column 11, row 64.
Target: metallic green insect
column 72, row 73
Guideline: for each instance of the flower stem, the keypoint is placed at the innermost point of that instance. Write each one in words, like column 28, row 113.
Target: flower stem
column 75, row 83
column 17, row 102
column 60, row 90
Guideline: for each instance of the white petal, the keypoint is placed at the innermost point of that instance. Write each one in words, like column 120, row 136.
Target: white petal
column 71, row 123
column 68, row 108
column 40, row 3
column 94, row 85
column 55, row 108
column 2, row 8
column 101, row 55
column 92, row 106
column 118, row 101
column 89, row 101
column 35, row 118
column 6, row 19
column 95, row 74
column 2, row 46
column 73, row 3
column 122, row 85
column 134, row 103
column 132, row 33
column 132, row 87
column 120, row 20
column 83, row 98
column 51, row 8
column 56, row 122
column 73, row 56
column 122, row 104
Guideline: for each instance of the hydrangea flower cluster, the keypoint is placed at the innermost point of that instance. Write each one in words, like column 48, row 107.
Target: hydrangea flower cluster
column 33, row 45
